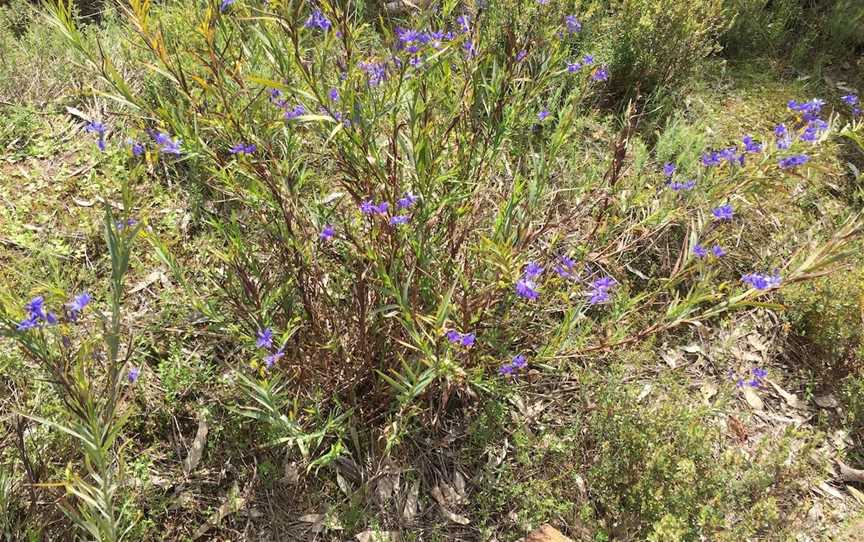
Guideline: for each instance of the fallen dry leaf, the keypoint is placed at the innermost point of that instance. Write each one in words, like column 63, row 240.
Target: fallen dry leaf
column 197, row 448
column 709, row 390
column 438, row 495
column 790, row 398
column 377, row 536
column 409, row 510
column 753, row 399
column 827, row 401
column 234, row 503
column 545, row 533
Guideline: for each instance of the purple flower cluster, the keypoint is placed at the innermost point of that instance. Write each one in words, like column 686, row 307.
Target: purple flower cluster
column 793, row 161
column 37, row 315
column 730, row 155
column 808, row 110
column 852, row 101
column 376, row 72
column 572, row 23
column 755, row 381
column 565, row 267
column 519, row 362
column 264, row 340
column 327, row 232
column 724, row 212
column 669, row 169
column 243, row 148
column 701, row 252
column 751, row 146
column 462, row 339
column 781, row 134
column 677, row 186
column 166, row 144
column 133, row 374
column 814, row 128
column 599, row 292
column 99, row 129
column 317, row 20
column 762, row 282
column 526, row 286
column 225, row 5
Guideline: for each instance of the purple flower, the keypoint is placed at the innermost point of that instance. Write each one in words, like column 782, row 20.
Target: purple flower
column 724, row 212
column 242, row 148
column 759, row 373
column 133, row 374
column 333, row 94
column 600, row 74
column 78, row 303
column 166, row 144
column 762, row 282
column 382, row 208
column 97, row 128
column 782, row 136
column 469, row 49
column 265, row 338
column 564, row 268
column 711, row 158
column 407, row 201
column 718, row 251
column 527, row 289
column 367, row 207
column 574, row 67
column 730, row 154
column 699, row 251
column 399, row 220
column 137, row 148
column 850, row 99
column 296, row 112
column 793, row 161
column 271, row 359
column 532, row 270
column 121, row 224
column 750, row 145
column 669, row 169
column 520, row 56
column 464, row 22
column 317, row 20
column 543, row 114
column 28, row 323
column 465, row 339
column 814, row 128
column 599, row 292
column 573, row 24
column 518, row 362
column 225, row 5
column 376, row 72
column 588, row 60
column 327, row 232
column 686, row 186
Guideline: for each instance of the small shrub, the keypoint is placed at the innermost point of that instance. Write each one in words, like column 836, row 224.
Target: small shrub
column 653, row 44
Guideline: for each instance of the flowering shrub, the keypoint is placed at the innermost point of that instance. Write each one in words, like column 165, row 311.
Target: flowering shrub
column 380, row 191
